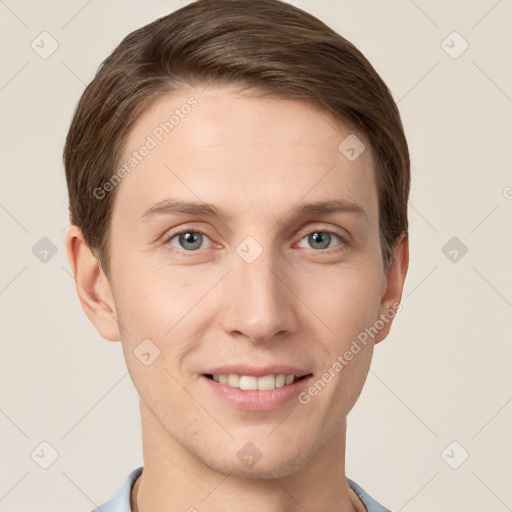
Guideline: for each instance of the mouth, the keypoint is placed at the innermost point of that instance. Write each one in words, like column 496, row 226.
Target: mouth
column 253, row 383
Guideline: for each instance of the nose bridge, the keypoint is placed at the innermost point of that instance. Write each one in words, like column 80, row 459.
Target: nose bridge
column 257, row 303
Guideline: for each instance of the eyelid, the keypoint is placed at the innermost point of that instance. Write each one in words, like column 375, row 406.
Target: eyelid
column 169, row 235
column 340, row 246
column 325, row 228
column 301, row 234
column 183, row 228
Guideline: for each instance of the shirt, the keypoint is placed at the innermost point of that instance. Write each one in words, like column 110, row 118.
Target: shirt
column 121, row 501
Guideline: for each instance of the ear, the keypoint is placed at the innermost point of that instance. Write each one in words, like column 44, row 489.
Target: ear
column 395, row 279
column 92, row 285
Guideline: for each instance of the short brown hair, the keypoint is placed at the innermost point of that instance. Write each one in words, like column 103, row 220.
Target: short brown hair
column 268, row 46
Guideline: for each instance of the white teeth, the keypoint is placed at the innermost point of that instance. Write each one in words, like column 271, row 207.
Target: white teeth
column 280, row 380
column 267, row 383
column 234, row 380
column 251, row 383
column 248, row 383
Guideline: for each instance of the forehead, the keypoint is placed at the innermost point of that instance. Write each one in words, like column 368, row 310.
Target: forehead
column 252, row 153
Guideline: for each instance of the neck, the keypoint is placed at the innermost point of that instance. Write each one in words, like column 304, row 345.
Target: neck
column 175, row 480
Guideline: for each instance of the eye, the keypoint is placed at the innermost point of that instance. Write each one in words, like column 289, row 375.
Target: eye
column 321, row 239
column 188, row 240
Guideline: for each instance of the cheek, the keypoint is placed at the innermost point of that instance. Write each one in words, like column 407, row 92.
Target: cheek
column 154, row 300
column 169, row 308
column 344, row 299
column 152, row 308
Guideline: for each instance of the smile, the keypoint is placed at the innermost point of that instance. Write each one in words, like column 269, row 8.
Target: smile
column 252, row 383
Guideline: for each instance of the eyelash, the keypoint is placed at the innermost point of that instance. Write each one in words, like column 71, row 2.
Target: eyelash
column 177, row 233
column 341, row 246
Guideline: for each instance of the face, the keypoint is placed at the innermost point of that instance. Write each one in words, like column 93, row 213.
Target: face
column 245, row 243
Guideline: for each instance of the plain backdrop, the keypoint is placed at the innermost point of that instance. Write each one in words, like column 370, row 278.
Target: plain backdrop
column 431, row 430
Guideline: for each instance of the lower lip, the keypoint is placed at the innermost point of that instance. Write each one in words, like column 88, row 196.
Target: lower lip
column 257, row 400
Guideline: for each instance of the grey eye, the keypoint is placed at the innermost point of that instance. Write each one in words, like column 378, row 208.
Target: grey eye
column 320, row 239
column 188, row 240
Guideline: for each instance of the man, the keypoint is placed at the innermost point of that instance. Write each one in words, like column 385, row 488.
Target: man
column 238, row 180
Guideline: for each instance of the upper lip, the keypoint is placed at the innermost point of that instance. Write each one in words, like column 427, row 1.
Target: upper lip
column 257, row 371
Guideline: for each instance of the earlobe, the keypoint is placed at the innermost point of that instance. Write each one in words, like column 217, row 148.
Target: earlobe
column 92, row 285
column 395, row 280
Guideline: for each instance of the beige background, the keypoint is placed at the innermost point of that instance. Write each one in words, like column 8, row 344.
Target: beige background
column 443, row 375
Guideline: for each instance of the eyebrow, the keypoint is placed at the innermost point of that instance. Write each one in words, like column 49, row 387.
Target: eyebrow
column 175, row 207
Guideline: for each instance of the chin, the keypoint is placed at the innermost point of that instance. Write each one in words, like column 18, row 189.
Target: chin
column 260, row 459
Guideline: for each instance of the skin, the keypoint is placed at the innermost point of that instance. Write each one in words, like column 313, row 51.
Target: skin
column 296, row 303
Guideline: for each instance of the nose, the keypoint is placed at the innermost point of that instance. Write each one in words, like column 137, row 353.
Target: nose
column 258, row 303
